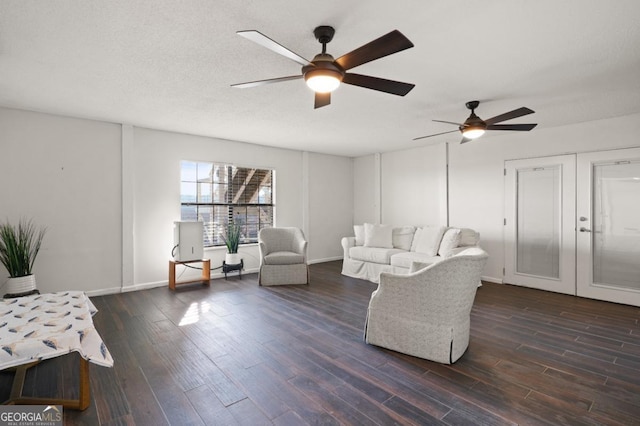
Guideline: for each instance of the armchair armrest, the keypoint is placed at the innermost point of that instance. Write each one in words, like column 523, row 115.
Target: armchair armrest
column 302, row 248
column 347, row 243
column 262, row 247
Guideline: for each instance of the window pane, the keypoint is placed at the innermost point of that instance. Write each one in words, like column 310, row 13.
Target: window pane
column 204, row 172
column 219, row 192
column 187, row 171
column 188, row 213
column 205, row 214
column 252, row 233
column 204, row 192
column 188, row 192
column 239, row 215
column 264, row 195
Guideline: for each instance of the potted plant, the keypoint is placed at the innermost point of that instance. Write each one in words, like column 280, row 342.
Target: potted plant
column 232, row 241
column 19, row 246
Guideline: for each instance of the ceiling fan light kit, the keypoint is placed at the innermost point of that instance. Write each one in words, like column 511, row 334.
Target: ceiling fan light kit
column 324, row 77
column 324, row 74
column 473, row 132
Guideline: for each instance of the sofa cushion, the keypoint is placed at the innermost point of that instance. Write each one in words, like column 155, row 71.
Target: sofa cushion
column 378, row 236
column 406, row 258
column 403, row 237
column 428, row 240
column 469, row 237
column 373, row 254
column 283, row 258
column 358, row 231
column 450, row 240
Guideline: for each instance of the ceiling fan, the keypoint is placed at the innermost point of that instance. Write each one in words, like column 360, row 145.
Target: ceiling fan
column 474, row 126
column 324, row 74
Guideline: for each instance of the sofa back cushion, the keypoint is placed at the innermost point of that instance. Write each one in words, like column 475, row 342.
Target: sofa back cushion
column 402, row 237
column 469, row 237
column 358, row 231
column 450, row 240
column 378, row 235
column 427, row 240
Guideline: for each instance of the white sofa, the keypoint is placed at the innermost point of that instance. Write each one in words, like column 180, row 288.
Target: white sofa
column 383, row 248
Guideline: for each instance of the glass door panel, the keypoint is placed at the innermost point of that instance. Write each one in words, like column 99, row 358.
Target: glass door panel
column 538, row 222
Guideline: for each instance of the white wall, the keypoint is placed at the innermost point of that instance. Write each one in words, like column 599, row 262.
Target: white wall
column 65, row 174
column 330, row 205
column 109, row 195
column 413, row 187
column 401, row 188
column 366, row 190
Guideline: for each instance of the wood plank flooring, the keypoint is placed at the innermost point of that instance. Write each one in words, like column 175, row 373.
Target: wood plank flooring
column 235, row 353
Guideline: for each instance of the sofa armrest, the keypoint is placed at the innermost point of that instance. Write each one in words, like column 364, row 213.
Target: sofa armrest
column 347, row 243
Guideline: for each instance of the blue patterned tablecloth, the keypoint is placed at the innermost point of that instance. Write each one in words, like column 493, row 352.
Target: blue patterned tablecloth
column 49, row 325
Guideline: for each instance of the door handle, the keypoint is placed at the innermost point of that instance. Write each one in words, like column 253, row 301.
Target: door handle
column 583, row 229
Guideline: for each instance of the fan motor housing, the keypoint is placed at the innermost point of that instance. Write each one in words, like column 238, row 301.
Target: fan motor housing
column 323, row 64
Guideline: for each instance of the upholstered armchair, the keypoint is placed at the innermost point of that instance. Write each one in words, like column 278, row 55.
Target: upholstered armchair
column 283, row 257
column 427, row 313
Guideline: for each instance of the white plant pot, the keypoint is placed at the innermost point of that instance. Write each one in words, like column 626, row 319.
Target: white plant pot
column 232, row 258
column 19, row 285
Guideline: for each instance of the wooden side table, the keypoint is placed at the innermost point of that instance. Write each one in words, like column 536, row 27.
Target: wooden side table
column 204, row 279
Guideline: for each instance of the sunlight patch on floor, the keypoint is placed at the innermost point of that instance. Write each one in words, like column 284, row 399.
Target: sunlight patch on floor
column 192, row 315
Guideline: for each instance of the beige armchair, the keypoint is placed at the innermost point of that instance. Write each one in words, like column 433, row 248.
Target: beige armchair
column 427, row 313
column 283, row 257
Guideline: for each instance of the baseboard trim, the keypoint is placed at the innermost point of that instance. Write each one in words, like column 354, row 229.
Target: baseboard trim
column 492, row 280
column 326, row 259
column 154, row 284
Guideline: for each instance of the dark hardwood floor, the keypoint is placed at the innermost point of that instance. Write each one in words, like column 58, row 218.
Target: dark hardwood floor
column 239, row 354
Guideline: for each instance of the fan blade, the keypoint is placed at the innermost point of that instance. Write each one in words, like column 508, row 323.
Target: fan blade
column 390, row 43
column 264, row 41
column 448, row 122
column 509, row 115
column 388, row 86
column 437, row 134
column 264, row 82
column 465, row 140
column 322, row 99
column 516, row 127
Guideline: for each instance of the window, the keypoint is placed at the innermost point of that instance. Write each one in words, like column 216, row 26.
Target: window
column 222, row 194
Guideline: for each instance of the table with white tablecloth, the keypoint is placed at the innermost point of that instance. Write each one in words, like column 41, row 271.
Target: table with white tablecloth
column 44, row 326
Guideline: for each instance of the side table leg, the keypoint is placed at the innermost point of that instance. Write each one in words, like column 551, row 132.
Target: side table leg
column 172, row 275
column 206, row 271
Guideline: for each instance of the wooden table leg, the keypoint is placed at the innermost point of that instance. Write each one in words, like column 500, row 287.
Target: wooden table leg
column 84, row 390
column 172, row 275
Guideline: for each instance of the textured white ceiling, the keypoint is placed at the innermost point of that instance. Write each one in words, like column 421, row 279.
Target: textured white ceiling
column 169, row 64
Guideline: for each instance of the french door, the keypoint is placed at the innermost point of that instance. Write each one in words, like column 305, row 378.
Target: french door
column 608, row 237
column 540, row 223
column 572, row 224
